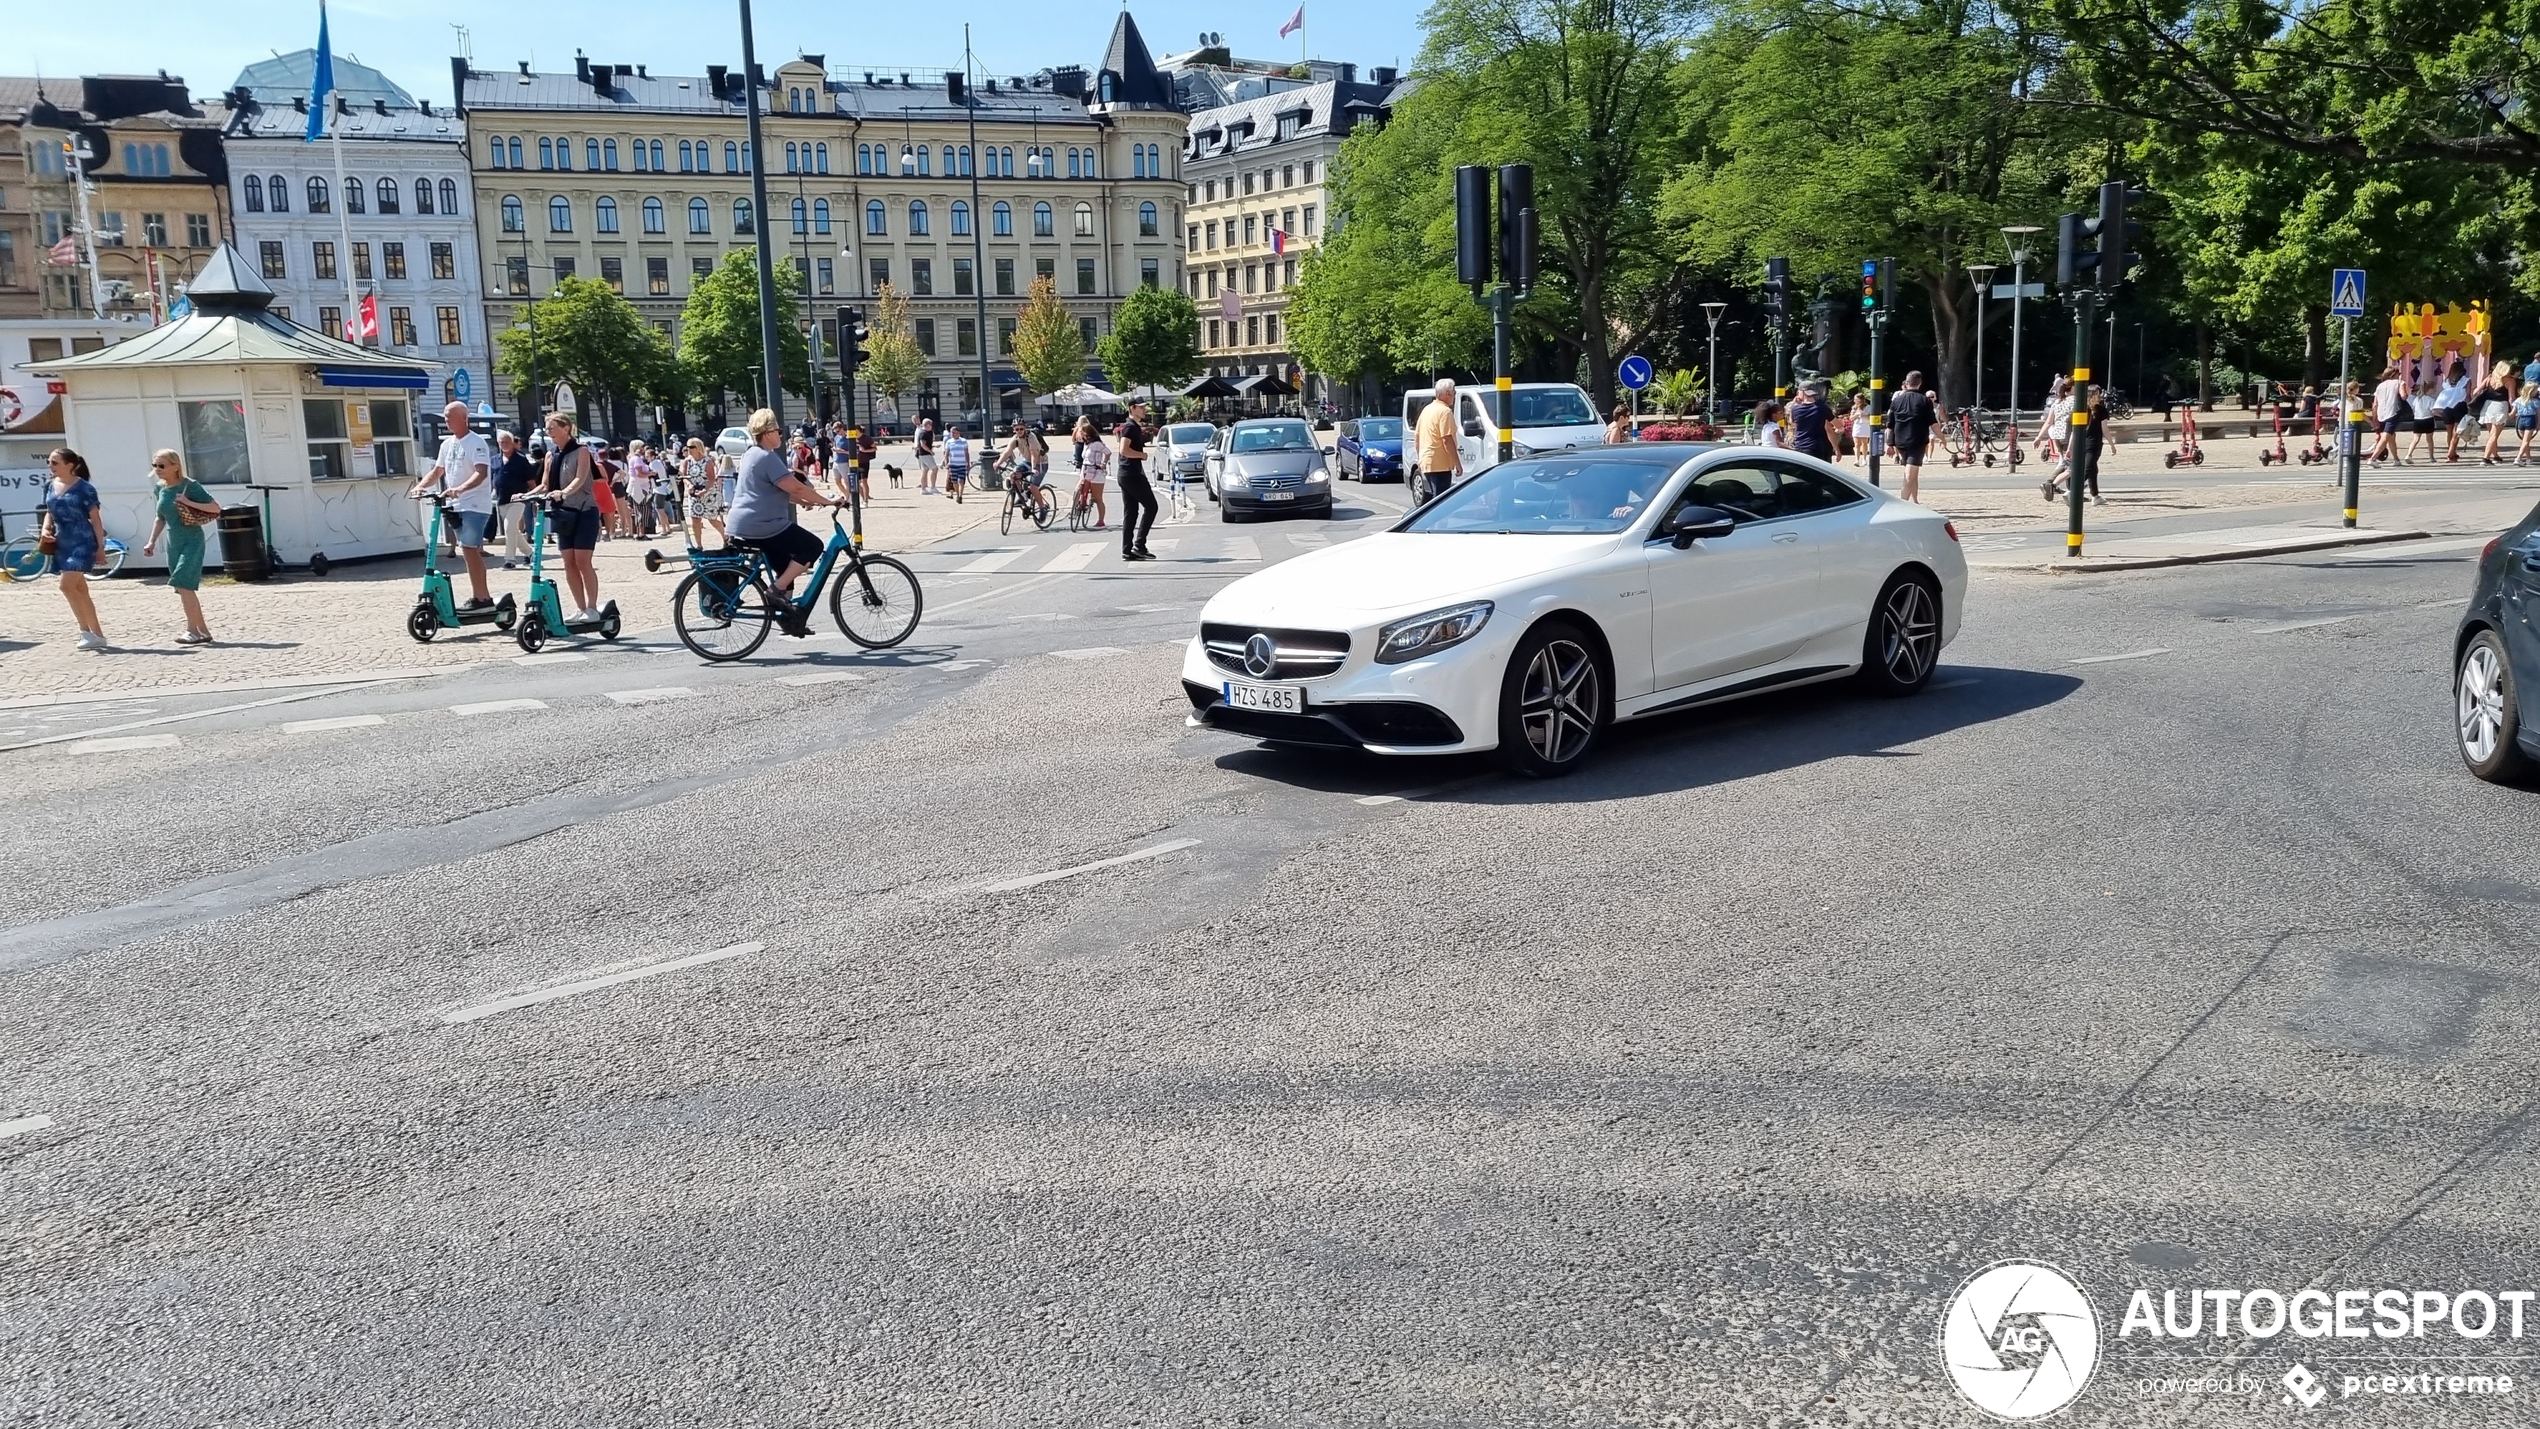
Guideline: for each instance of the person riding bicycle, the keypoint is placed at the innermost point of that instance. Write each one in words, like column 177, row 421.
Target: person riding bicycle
column 1026, row 452
column 762, row 514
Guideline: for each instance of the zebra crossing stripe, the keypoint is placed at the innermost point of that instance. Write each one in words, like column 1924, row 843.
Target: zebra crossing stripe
column 1076, row 557
column 995, row 560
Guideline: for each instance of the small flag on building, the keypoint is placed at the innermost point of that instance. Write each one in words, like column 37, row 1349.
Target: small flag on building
column 1229, row 306
column 322, row 83
column 1295, row 23
column 1278, row 240
column 368, row 331
column 63, row 253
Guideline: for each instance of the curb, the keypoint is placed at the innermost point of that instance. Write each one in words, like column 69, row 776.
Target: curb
column 2088, row 565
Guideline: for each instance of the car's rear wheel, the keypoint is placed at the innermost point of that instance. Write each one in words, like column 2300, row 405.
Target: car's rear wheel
column 1418, row 481
column 1553, row 702
column 1902, row 647
column 2489, row 712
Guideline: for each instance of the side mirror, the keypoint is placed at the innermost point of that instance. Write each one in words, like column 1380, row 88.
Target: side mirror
column 1694, row 523
column 1472, row 429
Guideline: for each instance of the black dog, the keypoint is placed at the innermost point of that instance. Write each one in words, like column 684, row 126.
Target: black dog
column 893, row 471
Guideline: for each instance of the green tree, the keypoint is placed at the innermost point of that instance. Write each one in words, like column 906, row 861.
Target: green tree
column 1154, row 341
column 591, row 336
column 1049, row 346
column 896, row 367
column 719, row 335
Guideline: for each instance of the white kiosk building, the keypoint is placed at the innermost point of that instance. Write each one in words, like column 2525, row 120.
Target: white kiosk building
column 260, row 409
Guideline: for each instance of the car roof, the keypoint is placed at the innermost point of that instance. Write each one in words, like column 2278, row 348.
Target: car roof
column 1266, row 421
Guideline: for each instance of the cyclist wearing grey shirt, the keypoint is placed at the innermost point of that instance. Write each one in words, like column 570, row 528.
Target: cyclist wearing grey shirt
column 762, row 514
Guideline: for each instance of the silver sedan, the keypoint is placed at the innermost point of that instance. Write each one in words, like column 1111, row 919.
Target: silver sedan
column 1268, row 465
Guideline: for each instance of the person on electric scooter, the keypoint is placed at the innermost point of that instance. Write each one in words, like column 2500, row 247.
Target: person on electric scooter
column 762, row 514
column 467, row 460
column 570, row 471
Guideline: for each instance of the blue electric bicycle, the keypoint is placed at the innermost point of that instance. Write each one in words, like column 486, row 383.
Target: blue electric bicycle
column 728, row 602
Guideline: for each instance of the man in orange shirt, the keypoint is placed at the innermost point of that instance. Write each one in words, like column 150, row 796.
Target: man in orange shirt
column 1441, row 455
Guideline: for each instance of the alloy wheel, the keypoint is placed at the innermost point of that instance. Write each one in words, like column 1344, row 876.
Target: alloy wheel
column 1909, row 632
column 1557, row 705
column 2482, row 703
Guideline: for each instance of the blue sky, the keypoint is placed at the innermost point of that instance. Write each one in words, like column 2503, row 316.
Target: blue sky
column 208, row 44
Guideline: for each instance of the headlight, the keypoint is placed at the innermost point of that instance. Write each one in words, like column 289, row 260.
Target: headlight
column 1318, row 472
column 1430, row 633
column 1520, row 449
column 1230, row 477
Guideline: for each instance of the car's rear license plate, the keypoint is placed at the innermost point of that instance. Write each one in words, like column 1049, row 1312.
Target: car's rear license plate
column 1274, row 698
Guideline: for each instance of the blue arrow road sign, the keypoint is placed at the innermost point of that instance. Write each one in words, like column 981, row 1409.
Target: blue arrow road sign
column 460, row 384
column 2346, row 293
column 1634, row 372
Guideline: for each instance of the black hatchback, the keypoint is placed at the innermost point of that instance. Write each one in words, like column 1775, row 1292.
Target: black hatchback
column 2496, row 654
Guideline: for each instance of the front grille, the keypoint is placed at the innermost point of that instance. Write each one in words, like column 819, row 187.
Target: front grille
column 1401, row 723
column 1302, row 654
column 1273, row 483
column 1397, row 722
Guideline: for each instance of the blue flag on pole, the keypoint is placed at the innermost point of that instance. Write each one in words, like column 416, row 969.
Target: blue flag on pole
column 322, row 83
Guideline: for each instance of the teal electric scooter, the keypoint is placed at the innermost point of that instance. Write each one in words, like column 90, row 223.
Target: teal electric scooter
column 436, row 606
column 545, row 616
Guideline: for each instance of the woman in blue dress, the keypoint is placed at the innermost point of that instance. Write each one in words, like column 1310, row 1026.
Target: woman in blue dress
column 78, row 528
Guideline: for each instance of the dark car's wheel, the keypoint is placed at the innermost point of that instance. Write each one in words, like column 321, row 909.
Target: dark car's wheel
column 1902, row 647
column 1418, row 481
column 1553, row 702
column 2490, row 713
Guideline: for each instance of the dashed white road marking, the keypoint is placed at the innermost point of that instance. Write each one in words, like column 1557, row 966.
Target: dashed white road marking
column 825, row 677
column 497, row 707
column 2129, row 655
column 1308, row 539
column 1076, row 557
column 1154, row 609
column 312, row 726
column 2400, row 551
column 1034, row 880
column 561, row 657
column 1090, row 652
column 1243, row 548
column 124, row 744
column 592, row 984
column 2299, row 625
column 1043, row 615
column 651, row 696
column 89, row 736
column 963, row 664
column 995, row 560
column 20, row 1126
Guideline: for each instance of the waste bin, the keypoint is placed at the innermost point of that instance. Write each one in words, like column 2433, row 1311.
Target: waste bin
column 242, row 544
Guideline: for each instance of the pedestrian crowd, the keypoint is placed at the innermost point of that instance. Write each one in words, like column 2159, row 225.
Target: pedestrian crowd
column 2434, row 405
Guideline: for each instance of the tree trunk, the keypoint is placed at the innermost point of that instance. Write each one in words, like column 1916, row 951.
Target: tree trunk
column 1595, row 341
column 1949, row 340
column 2204, row 367
column 2314, row 347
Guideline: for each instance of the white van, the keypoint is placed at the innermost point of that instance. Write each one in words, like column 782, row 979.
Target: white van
column 1547, row 416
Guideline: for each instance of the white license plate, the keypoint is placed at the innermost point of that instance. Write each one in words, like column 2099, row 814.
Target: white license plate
column 1278, row 496
column 1279, row 700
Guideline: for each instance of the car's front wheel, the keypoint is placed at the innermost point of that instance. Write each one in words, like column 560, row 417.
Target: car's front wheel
column 1902, row 646
column 2490, row 713
column 1553, row 702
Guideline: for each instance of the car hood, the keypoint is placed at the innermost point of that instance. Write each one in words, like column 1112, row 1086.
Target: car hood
column 1386, row 576
column 1281, row 463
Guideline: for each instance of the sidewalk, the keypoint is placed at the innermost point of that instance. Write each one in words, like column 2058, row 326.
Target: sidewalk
column 352, row 622
column 2453, row 519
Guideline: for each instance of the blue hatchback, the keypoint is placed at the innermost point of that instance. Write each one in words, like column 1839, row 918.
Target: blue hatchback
column 1370, row 449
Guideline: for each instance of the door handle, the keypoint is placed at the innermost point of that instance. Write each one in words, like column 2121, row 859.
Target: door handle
column 1786, row 538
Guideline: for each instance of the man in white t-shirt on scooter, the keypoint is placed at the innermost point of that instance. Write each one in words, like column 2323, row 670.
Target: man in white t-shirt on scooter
column 467, row 461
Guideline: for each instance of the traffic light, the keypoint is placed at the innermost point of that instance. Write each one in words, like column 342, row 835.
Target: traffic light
column 2075, row 264
column 1777, row 290
column 1517, row 225
column 851, row 335
column 2117, row 234
column 1472, row 225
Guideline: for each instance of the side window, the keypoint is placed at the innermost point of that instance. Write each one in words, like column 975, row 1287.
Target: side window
column 1803, row 491
column 1476, row 414
column 1749, row 491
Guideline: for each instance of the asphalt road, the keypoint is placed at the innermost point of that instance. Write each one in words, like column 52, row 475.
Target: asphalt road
column 2164, row 939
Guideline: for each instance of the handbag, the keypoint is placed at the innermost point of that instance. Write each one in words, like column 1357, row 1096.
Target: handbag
column 44, row 542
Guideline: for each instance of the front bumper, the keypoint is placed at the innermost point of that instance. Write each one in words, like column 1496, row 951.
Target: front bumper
column 1446, row 704
column 1317, row 497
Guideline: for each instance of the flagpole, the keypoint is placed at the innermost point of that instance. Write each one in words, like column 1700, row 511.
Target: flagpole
column 343, row 219
column 87, row 229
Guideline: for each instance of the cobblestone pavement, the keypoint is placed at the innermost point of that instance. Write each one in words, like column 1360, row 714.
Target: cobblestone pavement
column 353, row 620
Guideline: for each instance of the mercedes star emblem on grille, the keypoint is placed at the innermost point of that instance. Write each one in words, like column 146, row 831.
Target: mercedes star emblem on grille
column 1261, row 656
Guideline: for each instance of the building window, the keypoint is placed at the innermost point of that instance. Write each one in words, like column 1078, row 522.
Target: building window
column 820, row 216
column 1309, row 220
column 608, row 154
column 966, row 337
column 801, row 216
column 444, row 263
column 321, row 199
column 700, row 217
column 657, row 277
column 269, row 253
column 515, row 152
column 684, row 165
column 926, row 336
column 449, row 196
column 546, row 154
column 820, row 158
column 1212, row 236
column 330, row 445
column 864, row 158
column 924, row 170
column 516, row 276
column 423, row 197
column 331, row 322
column 613, row 273
column 698, row 270
column 591, row 155
column 1001, row 220
column 392, row 259
column 1146, row 220
column 878, row 273
column 445, row 323
column 876, row 218
column 1084, row 220
column 744, row 223
column 1252, row 277
column 1044, row 223
column 386, row 189
column 322, row 254
column 511, row 213
column 255, row 193
column 1212, row 333
column 353, row 196
column 1252, row 332
column 653, row 218
column 731, row 157
column 1148, row 273
column 917, row 227
column 1005, row 277
column 1288, row 278
column 1270, row 328
column 657, row 168
column 1086, row 327
column 1193, row 246
column 565, row 269
column 963, row 278
column 825, row 273
column 643, row 161
column 494, row 153
column 154, row 229
column 215, row 441
column 1084, row 275
column 604, row 214
column 401, row 327
column 960, row 219
column 921, row 277
column 1250, row 230
column 559, row 215
column 1045, row 268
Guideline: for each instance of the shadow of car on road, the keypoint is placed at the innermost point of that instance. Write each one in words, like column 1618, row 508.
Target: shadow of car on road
column 1716, row 744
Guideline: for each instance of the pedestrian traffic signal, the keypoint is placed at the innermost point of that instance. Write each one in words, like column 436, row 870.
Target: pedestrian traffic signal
column 1875, row 274
column 1777, row 290
column 1472, row 225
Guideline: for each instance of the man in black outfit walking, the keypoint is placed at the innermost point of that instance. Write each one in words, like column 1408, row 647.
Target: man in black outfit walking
column 1135, row 495
column 1910, row 419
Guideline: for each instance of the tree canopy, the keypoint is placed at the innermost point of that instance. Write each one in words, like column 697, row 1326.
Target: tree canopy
column 894, row 365
column 719, row 339
column 1154, row 340
column 1049, row 346
column 589, row 335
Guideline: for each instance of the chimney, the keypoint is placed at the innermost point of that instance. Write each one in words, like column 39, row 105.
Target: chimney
column 1382, row 74
column 641, row 72
column 581, row 66
column 715, row 75
column 524, row 66
column 299, row 104
column 379, row 106
column 423, row 106
column 954, row 90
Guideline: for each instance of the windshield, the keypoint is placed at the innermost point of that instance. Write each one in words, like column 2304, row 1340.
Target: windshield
column 1273, row 437
column 1552, row 407
column 1550, row 496
column 1190, row 434
column 1380, row 429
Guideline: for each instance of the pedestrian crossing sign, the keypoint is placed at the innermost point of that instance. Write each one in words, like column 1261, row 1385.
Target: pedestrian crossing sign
column 2346, row 293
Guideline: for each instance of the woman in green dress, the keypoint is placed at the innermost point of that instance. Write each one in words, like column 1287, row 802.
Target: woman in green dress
column 183, row 505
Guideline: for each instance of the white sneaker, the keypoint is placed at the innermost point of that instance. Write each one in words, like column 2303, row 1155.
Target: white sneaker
column 91, row 640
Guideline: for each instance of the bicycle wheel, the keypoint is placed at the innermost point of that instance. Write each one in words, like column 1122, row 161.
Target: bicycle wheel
column 22, row 562
column 109, row 560
column 722, row 613
column 1005, row 518
column 876, row 602
column 1044, row 510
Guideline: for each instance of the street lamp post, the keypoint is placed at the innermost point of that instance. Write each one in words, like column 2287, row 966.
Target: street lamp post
column 978, row 221
column 2016, row 234
column 770, row 352
column 1982, row 273
column 1711, row 384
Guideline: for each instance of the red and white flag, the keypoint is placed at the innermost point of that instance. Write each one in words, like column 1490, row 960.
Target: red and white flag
column 1295, row 23
column 63, row 253
column 370, row 319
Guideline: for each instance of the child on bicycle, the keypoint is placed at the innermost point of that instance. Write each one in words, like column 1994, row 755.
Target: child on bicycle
column 1093, row 469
